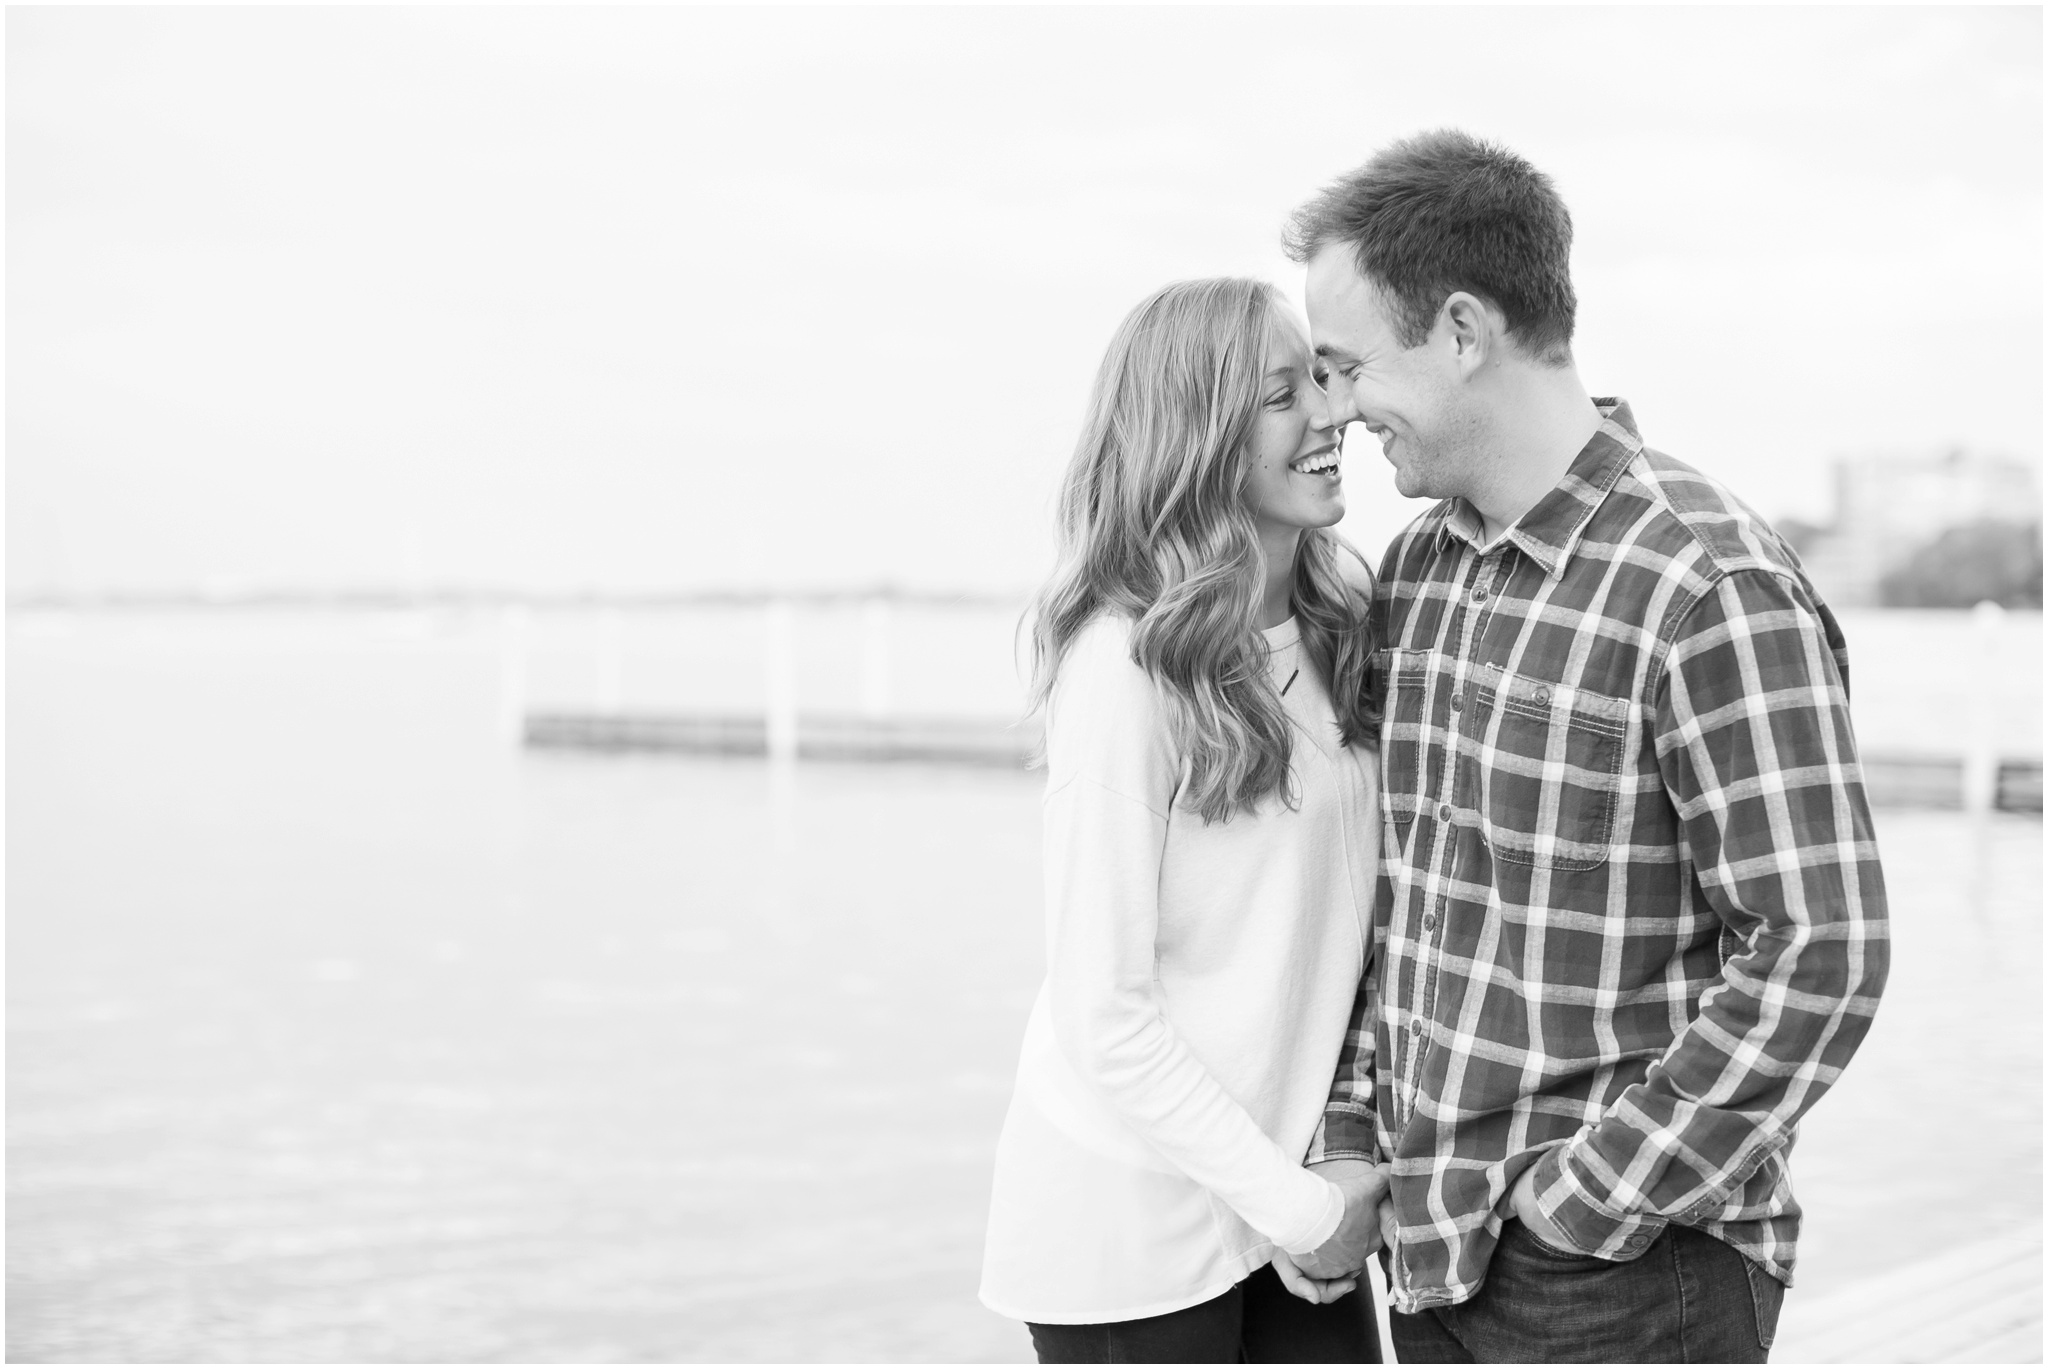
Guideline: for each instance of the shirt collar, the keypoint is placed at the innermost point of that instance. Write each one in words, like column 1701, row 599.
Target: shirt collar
column 1548, row 532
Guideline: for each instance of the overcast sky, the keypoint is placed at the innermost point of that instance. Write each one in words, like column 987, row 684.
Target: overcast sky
column 685, row 298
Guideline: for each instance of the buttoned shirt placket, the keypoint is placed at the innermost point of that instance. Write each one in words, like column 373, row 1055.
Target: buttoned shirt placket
column 1478, row 575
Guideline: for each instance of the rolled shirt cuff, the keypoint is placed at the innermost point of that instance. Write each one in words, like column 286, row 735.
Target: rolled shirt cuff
column 1347, row 1132
column 1326, row 1225
column 1317, row 1142
column 1590, row 1224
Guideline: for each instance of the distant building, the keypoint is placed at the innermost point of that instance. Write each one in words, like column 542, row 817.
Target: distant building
column 1887, row 507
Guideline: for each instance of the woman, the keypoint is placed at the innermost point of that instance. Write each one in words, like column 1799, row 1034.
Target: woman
column 1211, row 835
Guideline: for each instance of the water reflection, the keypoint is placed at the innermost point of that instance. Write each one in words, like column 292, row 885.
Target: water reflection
column 344, row 1030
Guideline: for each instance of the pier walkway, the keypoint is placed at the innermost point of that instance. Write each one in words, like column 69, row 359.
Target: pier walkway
column 1978, row 1304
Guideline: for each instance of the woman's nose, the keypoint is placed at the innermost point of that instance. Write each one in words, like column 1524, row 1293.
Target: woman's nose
column 1319, row 415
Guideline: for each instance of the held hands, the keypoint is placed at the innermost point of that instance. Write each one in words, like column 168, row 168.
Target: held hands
column 1358, row 1234
column 1337, row 1266
column 1306, row 1288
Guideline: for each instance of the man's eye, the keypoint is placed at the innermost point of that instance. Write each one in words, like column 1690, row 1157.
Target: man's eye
column 1322, row 375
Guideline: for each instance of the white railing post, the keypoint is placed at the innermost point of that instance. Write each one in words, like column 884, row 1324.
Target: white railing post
column 875, row 680
column 779, row 623
column 611, row 661
column 1980, row 761
column 513, row 624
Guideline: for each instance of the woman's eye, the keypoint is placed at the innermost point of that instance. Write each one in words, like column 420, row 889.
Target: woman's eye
column 1280, row 400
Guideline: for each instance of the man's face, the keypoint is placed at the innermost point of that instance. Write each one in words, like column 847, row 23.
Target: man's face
column 1407, row 397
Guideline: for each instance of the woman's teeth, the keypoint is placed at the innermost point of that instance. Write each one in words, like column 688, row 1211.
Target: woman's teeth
column 1321, row 463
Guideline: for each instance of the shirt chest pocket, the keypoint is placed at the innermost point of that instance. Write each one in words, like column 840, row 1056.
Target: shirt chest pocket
column 1550, row 770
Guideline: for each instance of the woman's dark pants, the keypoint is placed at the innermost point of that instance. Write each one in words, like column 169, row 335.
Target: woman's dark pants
column 1687, row 1299
column 1257, row 1322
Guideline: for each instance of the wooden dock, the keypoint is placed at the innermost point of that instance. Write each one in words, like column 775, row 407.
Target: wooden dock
column 1892, row 781
column 818, row 736
column 1980, row 1304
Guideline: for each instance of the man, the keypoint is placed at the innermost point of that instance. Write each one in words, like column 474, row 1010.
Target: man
column 1630, row 922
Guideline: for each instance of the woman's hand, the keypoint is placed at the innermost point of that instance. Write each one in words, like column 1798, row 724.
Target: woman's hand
column 1306, row 1288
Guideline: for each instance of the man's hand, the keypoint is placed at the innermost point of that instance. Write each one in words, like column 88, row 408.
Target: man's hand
column 1522, row 1199
column 1358, row 1234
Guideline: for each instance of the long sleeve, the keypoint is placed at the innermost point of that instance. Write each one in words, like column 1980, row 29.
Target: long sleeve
column 1754, row 743
column 1107, row 811
column 1350, row 1125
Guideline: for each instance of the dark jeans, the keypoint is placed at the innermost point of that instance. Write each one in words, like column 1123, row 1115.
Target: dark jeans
column 1687, row 1299
column 1257, row 1322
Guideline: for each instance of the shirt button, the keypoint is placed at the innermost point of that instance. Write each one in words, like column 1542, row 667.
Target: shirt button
column 1479, row 594
column 1542, row 694
column 1443, row 812
column 1429, row 922
column 1457, row 702
column 1415, row 1027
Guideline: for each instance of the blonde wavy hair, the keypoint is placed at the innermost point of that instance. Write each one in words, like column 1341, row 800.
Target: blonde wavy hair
column 1154, row 526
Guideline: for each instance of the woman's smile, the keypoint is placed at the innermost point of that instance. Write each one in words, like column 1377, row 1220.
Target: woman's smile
column 1325, row 463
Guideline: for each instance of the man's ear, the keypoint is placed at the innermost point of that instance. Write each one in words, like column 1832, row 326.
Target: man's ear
column 1472, row 329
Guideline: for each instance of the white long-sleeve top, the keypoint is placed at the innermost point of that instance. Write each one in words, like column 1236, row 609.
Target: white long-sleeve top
column 1200, row 977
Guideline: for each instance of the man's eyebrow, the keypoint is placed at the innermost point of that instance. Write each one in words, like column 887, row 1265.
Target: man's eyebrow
column 1324, row 349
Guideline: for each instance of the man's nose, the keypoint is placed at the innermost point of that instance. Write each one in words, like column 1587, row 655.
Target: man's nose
column 1334, row 408
column 1319, row 411
column 1342, row 409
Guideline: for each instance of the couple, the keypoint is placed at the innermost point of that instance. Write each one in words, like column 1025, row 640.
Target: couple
column 1501, row 916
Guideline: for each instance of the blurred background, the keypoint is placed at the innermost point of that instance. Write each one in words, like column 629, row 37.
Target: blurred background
column 516, row 524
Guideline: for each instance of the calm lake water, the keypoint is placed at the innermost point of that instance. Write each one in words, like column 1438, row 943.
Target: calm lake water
column 340, row 1029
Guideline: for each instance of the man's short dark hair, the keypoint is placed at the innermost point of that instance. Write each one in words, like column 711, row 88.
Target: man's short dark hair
column 1444, row 211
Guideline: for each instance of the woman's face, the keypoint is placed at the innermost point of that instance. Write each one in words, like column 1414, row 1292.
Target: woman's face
column 1294, row 449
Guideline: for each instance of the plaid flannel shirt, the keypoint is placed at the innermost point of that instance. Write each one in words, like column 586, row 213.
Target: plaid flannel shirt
column 1630, row 923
